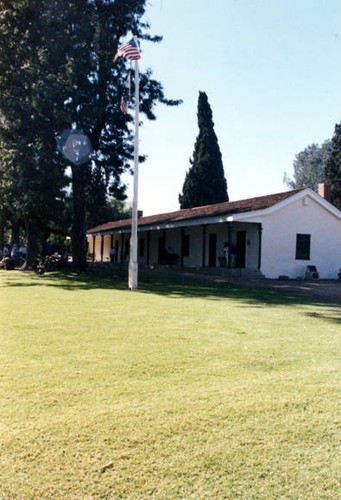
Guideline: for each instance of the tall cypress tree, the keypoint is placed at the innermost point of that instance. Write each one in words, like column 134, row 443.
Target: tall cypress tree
column 205, row 183
column 332, row 171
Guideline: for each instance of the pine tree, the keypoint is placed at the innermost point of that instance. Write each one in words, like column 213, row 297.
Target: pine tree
column 94, row 33
column 205, row 183
column 309, row 166
column 57, row 72
column 332, row 171
column 32, row 179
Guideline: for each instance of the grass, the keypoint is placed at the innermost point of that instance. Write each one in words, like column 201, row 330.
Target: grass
column 177, row 390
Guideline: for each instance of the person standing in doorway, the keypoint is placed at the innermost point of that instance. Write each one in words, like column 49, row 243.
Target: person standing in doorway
column 112, row 255
column 226, row 251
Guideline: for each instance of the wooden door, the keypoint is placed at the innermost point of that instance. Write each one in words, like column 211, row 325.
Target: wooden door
column 212, row 250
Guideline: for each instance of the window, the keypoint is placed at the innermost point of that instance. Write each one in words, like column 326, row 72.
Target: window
column 302, row 246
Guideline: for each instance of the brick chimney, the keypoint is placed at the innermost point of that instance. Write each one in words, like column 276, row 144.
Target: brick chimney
column 324, row 191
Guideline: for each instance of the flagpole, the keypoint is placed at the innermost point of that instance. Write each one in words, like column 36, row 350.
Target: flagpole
column 133, row 265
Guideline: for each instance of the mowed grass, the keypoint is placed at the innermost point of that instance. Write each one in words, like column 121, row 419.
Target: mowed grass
column 178, row 390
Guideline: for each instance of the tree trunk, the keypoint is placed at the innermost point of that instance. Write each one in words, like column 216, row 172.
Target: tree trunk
column 32, row 243
column 2, row 231
column 78, row 232
column 15, row 232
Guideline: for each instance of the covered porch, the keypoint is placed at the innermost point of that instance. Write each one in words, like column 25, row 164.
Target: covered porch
column 193, row 245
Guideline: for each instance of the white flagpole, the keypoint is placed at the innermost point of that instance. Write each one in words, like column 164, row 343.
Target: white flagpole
column 133, row 266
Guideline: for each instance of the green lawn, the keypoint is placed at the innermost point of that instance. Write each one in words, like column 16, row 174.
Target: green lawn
column 175, row 391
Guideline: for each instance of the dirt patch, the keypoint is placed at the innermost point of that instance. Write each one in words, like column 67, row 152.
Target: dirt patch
column 323, row 290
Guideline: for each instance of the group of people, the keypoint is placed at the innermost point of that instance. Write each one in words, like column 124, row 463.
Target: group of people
column 12, row 256
column 15, row 252
column 55, row 253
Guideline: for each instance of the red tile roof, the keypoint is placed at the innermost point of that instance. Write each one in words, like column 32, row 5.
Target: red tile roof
column 187, row 214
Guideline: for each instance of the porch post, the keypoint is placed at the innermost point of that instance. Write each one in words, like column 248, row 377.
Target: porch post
column 93, row 247
column 229, row 228
column 122, row 249
column 260, row 230
column 182, row 247
column 204, row 229
column 102, row 246
column 148, row 248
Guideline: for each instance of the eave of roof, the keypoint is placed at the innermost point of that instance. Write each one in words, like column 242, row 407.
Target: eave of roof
column 188, row 214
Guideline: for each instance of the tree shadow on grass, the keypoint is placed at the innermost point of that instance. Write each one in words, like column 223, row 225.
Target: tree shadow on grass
column 182, row 286
column 248, row 296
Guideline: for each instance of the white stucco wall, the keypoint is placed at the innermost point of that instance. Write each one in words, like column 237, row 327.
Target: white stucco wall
column 252, row 244
column 98, row 248
column 280, row 228
column 91, row 244
column 106, row 248
column 195, row 247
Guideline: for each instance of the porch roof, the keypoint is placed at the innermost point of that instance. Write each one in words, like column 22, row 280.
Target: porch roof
column 185, row 216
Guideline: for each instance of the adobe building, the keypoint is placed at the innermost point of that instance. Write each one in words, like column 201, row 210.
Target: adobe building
column 275, row 235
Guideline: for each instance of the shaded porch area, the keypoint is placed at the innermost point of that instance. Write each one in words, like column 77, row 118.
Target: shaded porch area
column 192, row 246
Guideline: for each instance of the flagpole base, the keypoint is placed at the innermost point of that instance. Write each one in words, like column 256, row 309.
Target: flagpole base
column 132, row 275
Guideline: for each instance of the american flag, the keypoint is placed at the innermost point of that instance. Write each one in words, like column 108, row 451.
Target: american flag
column 128, row 50
column 123, row 106
column 128, row 86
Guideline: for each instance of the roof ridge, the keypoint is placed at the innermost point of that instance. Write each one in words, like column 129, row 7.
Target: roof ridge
column 247, row 204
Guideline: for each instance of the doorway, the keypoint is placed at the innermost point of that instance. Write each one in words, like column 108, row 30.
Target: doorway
column 212, row 250
column 162, row 250
column 241, row 249
column 116, row 248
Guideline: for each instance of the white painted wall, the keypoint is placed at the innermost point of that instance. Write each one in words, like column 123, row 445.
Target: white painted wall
column 98, row 248
column 91, row 242
column 195, row 246
column 280, row 228
column 252, row 244
column 106, row 248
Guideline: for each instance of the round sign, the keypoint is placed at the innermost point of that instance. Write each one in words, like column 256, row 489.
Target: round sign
column 75, row 146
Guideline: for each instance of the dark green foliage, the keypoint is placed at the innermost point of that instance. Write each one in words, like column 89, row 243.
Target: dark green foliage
column 98, row 208
column 332, row 170
column 57, row 72
column 32, row 178
column 205, row 183
column 309, row 166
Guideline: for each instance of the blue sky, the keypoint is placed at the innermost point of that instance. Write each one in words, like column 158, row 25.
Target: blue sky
column 272, row 73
